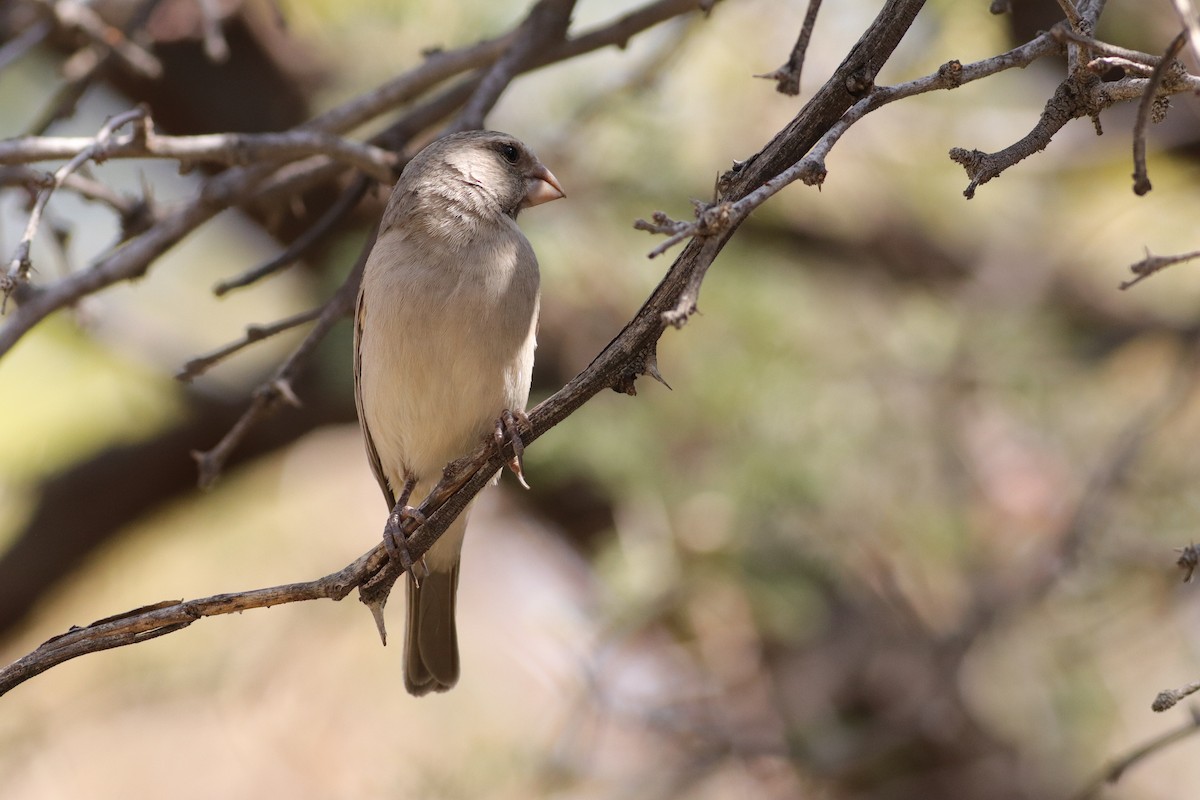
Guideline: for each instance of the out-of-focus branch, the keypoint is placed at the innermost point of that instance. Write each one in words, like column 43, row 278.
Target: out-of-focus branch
column 74, row 15
column 296, row 250
column 254, row 333
column 26, row 40
column 1113, row 772
column 18, row 269
column 216, row 148
column 1191, row 23
column 277, row 390
column 87, row 188
column 545, row 27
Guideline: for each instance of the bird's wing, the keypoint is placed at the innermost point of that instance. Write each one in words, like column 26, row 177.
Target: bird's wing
column 372, row 454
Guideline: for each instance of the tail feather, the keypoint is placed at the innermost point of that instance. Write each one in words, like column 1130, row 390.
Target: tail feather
column 431, row 635
column 431, row 638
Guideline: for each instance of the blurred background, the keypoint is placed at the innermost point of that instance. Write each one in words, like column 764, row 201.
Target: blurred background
column 904, row 527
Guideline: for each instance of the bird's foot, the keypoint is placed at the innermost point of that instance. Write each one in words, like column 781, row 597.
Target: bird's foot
column 508, row 428
column 394, row 540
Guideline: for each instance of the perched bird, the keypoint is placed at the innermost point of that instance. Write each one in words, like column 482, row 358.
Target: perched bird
column 445, row 330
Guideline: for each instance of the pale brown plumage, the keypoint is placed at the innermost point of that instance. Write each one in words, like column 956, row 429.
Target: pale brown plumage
column 444, row 340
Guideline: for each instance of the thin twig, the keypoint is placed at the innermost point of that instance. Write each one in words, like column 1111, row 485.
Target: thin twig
column 1167, row 698
column 254, row 333
column 83, row 18
column 18, row 269
column 544, row 27
column 1191, row 23
column 302, row 243
column 217, row 148
column 1065, row 34
column 87, row 188
column 811, row 170
column 1113, row 772
column 16, row 47
column 1152, row 264
column 1141, row 181
column 277, row 390
column 787, row 77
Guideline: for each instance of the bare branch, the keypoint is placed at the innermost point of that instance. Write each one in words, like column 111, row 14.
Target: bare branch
column 1141, row 181
column 18, row 270
column 1191, row 23
column 1152, row 264
column 1064, row 34
column 254, row 333
column 1071, row 13
column 82, row 17
column 277, row 389
column 296, row 250
column 544, row 27
column 811, row 169
column 155, row 620
column 1113, row 772
column 232, row 149
column 1168, row 698
column 26, row 40
column 85, row 187
column 787, row 77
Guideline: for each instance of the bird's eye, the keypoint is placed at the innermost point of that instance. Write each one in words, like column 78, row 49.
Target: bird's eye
column 510, row 153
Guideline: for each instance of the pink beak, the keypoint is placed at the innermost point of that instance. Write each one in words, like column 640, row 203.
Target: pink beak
column 541, row 187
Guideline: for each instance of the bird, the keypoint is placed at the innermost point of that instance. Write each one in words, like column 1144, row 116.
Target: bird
column 444, row 336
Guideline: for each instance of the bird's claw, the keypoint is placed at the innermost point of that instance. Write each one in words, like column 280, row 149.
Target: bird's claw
column 508, row 429
column 394, row 539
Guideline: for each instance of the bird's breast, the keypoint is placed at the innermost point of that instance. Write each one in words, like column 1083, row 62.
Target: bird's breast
column 446, row 344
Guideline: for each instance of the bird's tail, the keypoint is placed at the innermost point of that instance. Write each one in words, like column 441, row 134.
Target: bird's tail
column 431, row 636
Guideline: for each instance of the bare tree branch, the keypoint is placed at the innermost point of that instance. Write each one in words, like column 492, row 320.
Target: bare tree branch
column 75, row 15
column 1141, row 181
column 26, row 40
column 1113, row 772
column 787, row 77
column 1191, row 23
column 545, row 27
column 296, row 250
column 1168, row 698
column 18, row 269
column 1152, row 264
column 215, row 148
column 254, row 333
